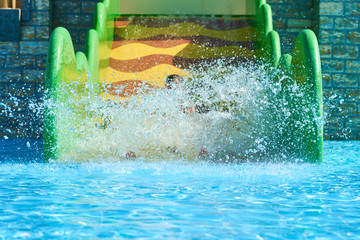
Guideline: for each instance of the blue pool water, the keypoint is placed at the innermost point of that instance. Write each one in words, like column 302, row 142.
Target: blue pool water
column 169, row 200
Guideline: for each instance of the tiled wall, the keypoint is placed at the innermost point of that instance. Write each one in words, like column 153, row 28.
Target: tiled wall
column 22, row 69
column 339, row 34
column 289, row 18
column 336, row 22
column 22, row 64
column 76, row 16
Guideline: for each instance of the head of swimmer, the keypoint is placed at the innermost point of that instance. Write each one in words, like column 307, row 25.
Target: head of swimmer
column 173, row 81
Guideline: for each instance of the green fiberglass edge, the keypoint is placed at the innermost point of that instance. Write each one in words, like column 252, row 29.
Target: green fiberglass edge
column 64, row 67
column 305, row 68
column 83, row 74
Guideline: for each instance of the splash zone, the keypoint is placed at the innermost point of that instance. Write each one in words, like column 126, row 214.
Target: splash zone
column 250, row 101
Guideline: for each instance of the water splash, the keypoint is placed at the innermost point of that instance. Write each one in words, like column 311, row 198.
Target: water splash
column 21, row 116
column 242, row 114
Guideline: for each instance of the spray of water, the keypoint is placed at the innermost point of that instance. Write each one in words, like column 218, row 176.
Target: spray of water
column 240, row 115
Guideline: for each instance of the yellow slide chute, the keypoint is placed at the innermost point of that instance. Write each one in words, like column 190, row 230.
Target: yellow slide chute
column 155, row 75
column 138, row 50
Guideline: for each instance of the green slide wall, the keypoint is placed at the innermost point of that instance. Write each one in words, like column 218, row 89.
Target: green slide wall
column 304, row 67
column 88, row 70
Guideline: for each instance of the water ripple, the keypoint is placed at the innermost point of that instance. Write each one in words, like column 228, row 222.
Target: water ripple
column 183, row 200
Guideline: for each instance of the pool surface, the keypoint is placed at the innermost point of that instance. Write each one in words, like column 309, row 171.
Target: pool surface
column 168, row 200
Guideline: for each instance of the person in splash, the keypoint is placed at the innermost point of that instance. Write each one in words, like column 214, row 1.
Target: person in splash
column 173, row 81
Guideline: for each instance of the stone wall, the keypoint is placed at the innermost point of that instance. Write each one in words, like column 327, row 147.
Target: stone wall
column 289, row 18
column 336, row 22
column 339, row 38
column 22, row 63
column 22, row 68
column 76, row 16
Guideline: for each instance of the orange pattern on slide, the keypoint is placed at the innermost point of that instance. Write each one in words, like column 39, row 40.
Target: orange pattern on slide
column 137, row 66
column 120, row 24
column 154, row 43
column 129, row 88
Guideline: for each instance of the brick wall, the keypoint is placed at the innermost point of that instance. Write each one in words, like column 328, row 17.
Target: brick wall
column 339, row 37
column 76, row 16
column 336, row 22
column 22, row 68
column 22, row 64
column 290, row 17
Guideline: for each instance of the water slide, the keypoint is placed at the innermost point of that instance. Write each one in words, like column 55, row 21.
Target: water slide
column 136, row 44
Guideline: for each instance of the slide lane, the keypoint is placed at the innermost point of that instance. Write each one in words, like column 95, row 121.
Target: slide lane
column 147, row 62
column 133, row 32
column 147, row 50
column 212, row 23
column 185, row 50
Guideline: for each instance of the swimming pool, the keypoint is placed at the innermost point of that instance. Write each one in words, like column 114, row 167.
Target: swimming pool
column 179, row 200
